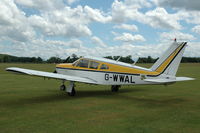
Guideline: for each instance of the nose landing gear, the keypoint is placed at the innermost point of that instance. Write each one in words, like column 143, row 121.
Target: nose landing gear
column 62, row 87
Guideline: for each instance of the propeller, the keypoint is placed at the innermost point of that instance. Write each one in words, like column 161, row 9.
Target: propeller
column 55, row 71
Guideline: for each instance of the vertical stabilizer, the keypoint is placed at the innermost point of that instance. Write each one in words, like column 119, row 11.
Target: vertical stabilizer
column 169, row 62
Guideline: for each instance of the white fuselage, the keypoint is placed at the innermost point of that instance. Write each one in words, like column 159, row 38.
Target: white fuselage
column 105, row 78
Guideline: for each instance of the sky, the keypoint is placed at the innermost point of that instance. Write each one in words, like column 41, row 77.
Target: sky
column 46, row 28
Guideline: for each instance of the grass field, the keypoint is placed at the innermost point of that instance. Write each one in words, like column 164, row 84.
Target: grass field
column 32, row 104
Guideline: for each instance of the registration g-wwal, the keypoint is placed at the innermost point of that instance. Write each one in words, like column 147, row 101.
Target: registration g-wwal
column 101, row 71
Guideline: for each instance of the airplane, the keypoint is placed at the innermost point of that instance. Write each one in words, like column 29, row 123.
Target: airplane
column 102, row 71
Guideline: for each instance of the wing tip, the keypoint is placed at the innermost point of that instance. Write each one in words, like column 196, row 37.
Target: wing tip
column 15, row 70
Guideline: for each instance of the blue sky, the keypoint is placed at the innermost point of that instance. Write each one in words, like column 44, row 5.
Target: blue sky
column 97, row 28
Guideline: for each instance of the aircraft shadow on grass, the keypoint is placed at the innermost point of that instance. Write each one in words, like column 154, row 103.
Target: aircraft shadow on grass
column 56, row 97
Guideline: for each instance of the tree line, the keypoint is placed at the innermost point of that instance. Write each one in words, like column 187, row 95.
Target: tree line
column 127, row 59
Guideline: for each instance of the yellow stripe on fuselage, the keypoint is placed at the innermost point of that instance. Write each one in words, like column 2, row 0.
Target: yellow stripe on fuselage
column 112, row 68
column 124, row 69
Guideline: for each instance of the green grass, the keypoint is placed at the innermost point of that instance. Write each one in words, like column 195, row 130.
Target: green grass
column 32, row 104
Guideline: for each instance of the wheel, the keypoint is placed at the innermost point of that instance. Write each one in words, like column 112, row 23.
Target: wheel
column 72, row 93
column 115, row 88
column 62, row 87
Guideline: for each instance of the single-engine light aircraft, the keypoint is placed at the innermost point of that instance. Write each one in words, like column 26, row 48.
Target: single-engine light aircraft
column 101, row 71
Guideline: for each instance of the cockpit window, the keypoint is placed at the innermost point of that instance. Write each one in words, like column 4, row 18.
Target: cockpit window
column 104, row 66
column 93, row 65
column 83, row 63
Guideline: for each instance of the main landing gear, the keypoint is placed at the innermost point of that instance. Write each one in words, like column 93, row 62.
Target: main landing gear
column 115, row 88
column 70, row 89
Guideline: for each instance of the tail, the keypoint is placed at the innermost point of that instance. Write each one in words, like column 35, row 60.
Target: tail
column 169, row 62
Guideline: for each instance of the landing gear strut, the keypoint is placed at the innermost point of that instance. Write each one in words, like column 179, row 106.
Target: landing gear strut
column 115, row 88
column 62, row 87
column 73, row 92
column 70, row 89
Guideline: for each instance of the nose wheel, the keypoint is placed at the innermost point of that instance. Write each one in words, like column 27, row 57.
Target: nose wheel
column 62, row 87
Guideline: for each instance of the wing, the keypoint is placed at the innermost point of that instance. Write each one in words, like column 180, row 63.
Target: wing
column 50, row 75
column 168, row 80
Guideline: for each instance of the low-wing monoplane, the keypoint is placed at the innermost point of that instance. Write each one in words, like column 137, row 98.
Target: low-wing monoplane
column 101, row 71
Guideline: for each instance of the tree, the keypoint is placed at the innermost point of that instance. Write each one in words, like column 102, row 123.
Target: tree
column 54, row 60
column 150, row 59
column 39, row 60
column 109, row 57
column 127, row 59
column 74, row 58
column 6, row 58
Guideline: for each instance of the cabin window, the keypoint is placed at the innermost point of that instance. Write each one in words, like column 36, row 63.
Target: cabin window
column 104, row 66
column 93, row 65
column 83, row 63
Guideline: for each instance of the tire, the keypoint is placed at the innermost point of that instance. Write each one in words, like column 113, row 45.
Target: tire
column 115, row 88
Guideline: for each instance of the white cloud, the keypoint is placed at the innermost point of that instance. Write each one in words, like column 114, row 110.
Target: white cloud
column 184, row 4
column 13, row 23
column 72, row 43
column 96, row 15
column 196, row 29
column 132, row 27
column 166, row 36
column 71, row 1
column 98, row 41
column 27, row 34
column 127, row 37
column 192, row 50
column 67, row 22
column 160, row 18
column 126, row 49
column 157, row 18
column 43, row 48
column 192, row 17
column 48, row 48
column 122, row 11
column 75, row 43
column 42, row 4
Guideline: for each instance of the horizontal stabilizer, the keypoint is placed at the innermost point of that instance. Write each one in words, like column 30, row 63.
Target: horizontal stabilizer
column 168, row 80
column 184, row 78
column 160, row 80
column 50, row 75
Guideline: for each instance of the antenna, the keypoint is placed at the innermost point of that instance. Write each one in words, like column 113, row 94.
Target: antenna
column 135, row 61
column 174, row 39
column 118, row 58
